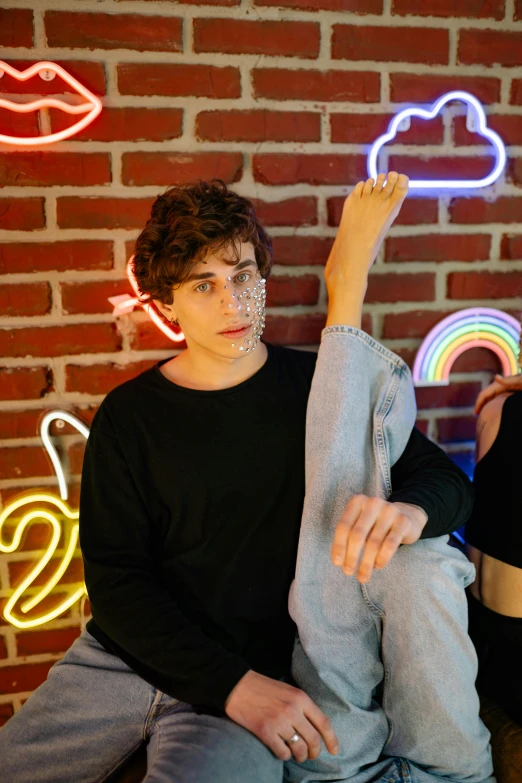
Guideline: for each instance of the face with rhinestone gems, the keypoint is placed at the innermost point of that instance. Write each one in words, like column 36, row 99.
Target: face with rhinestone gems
column 221, row 307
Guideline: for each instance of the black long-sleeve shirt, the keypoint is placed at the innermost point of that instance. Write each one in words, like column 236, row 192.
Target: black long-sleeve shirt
column 190, row 511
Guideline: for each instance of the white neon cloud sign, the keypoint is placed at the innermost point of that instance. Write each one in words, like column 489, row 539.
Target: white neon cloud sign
column 39, row 513
column 476, row 122
column 47, row 71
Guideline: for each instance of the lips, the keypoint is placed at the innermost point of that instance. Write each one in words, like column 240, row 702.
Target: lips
column 90, row 108
column 235, row 331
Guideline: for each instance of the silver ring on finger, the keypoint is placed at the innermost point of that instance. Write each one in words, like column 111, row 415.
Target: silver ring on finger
column 293, row 739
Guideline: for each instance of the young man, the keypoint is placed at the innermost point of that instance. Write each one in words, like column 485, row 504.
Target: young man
column 191, row 502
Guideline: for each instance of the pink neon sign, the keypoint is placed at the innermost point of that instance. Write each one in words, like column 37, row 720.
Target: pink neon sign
column 47, row 71
column 126, row 304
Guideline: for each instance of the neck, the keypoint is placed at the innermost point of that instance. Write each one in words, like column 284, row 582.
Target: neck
column 197, row 368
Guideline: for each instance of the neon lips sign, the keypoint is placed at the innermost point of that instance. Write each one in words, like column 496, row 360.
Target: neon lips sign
column 476, row 122
column 47, row 71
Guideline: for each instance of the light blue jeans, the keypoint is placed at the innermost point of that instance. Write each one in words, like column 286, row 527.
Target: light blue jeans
column 390, row 662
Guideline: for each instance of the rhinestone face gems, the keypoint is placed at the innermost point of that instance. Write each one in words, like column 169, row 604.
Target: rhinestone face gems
column 253, row 300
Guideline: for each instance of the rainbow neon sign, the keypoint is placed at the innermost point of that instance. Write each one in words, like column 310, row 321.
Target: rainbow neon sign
column 37, row 512
column 91, row 106
column 474, row 327
column 476, row 122
column 126, row 304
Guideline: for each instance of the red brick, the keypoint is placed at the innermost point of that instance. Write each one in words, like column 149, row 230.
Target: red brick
column 471, row 9
column 113, row 31
column 6, row 712
column 25, row 383
column 126, row 124
column 258, row 125
column 439, row 247
column 16, row 27
column 425, row 88
column 92, row 297
column 20, row 424
column 198, row 2
column 518, row 10
column 147, row 337
column 285, row 290
column 242, row 36
column 414, row 211
column 508, row 126
column 75, row 455
column 59, row 340
column 516, row 92
column 514, row 170
column 19, row 125
column 314, row 169
column 24, row 461
column 416, row 323
column 22, row 214
column 490, row 47
column 456, row 395
column 95, row 212
column 16, row 679
column 341, row 6
column 309, row 85
column 443, row 167
column 55, row 168
column 200, row 81
column 25, row 299
column 404, row 44
column 166, row 168
column 77, row 254
column 477, row 360
column 294, row 330
column 102, row 378
column 301, row 251
column 3, row 649
column 511, row 247
column 484, row 285
column 47, row 641
column 456, row 428
column 360, row 128
column 392, row 287
column 19, row 569
column 90, row 74
column 422, row 426
column 478, row 211
column 298, row 211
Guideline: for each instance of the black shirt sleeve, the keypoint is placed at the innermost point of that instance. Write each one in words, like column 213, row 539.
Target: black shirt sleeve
column 425, row 476
column 129, row 603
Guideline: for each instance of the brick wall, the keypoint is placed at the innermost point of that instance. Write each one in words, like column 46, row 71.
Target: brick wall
column 279, row 98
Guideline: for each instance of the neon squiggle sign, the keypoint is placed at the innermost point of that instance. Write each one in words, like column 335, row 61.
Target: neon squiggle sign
column 47, row 71
column 482, row 327
column 476, row 122
column 59, row 506
column 126, row 304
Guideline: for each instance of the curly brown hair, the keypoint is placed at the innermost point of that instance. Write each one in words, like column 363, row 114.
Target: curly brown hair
column 188, row 221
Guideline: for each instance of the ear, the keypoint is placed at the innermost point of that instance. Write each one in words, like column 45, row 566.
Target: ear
column 166, row 310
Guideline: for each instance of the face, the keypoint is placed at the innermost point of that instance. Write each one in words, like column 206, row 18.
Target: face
column 217, row 300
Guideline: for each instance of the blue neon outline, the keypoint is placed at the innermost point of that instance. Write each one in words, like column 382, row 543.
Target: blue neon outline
column 426, row 114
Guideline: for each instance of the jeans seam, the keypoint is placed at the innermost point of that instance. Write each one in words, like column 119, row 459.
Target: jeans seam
column 379, row 431
column 372, row 344
column 150, row 766
column 150, row 715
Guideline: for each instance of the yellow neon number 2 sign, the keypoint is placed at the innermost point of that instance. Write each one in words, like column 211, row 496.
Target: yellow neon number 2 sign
column 61, row 507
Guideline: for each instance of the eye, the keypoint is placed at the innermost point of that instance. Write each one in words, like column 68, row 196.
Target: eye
column 242, row 274
column 199, row 286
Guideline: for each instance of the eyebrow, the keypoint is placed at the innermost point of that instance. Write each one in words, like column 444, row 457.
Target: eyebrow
column 206, row 275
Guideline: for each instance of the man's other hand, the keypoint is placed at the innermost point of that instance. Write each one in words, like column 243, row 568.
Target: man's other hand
column 275, row 711
column 378, row 527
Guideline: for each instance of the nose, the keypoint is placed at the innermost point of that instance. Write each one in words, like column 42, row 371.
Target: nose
column 230, row 301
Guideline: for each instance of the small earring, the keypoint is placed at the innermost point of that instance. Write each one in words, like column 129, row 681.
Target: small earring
column 174, row 321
